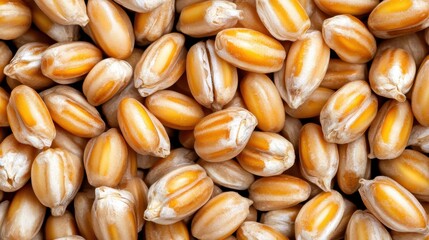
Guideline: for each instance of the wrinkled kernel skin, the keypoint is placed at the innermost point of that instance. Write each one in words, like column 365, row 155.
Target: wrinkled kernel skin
column 348, row 112
column 178, row 194
column 56, row 189
column 222, row 135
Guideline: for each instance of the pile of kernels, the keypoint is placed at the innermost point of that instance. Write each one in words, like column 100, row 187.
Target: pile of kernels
column 193, row 119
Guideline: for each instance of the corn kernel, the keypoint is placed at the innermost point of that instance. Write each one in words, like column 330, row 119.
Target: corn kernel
column 250, row 18
column 216, row 191
column 348, row 112
column 410, row 169
column 69, row 109
column 143, row 131
column 250, row 50
column 267, row 154
column 419, row 97
column 349, row 38
column 318, row 158
column 262, row 99
column 12, row 83
column 65, row 12
column 212, row 81
column 113, row 215
column 353, row 165
column 282, row 220
column 339, row 73
column 16, row 159
column 135, row 56
column 285, row 20
column 419, row 138
column 24, row 217
column 174, row 109
column 178, row 194
column 29, row 118
column 60, row 226
column 394, row 18
column 68, row 62
column 15, row 19
column 150, row 26
column 320, row 216
column 138, row 189
column 208, row 18
column 278, row 192
column 177, row 157
column 106, row 78
column 176, row 230
column 111, row 28
column 161, row 64
column 221, row 216
column 363, row 225
column 412, row 43
column 253, row 213
column 5, row 56
column 236, row 101
column 82, row 211
column 392, row 73
column 390, row 130
column 222, row 135
column 336, row 7
column 56, row 176
column 105, row 159
column 25, row 66
column 312, row 106
column 291, row 131
column 131, row 170
column 254, row 230
column 32, row 35
column 58, row 32
column 228, row 174
column 393, row 205
column 4, row 100
column 67, row 141
column 406, row 236
column 180, row 4
column 141, row 6
column 340, row 231
column 308, row 6
column 301, row 75
column 110, row 108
